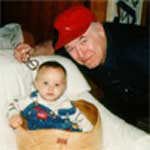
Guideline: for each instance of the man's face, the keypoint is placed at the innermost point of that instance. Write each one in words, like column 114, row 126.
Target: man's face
column 90, row 48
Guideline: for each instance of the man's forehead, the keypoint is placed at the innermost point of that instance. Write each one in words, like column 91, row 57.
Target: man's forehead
column 76, row 40
column 68, row 45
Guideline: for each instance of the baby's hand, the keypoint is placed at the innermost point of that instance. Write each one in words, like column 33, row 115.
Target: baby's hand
column 15, row 121
column 22, row 52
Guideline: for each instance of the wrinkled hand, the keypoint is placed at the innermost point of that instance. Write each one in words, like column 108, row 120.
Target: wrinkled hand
column 23, row 52
column 15, row 121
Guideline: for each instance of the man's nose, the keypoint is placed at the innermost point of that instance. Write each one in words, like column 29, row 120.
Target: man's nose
column 80, row 51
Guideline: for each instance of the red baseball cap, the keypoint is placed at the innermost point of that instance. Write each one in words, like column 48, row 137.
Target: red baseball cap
column 72, row 23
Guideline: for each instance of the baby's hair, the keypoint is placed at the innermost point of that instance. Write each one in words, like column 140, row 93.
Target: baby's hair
column 52, row 64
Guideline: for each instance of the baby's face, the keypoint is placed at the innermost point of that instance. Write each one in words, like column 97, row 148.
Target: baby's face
column 50, row 83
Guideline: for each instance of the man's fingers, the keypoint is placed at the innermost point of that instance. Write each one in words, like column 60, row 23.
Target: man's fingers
column 22, row 52
column 21, row 46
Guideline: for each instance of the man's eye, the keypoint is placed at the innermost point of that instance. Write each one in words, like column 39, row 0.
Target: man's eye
column 69, row 49
column 83, row 41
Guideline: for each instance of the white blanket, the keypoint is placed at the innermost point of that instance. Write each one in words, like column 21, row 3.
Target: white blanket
column 16, row 81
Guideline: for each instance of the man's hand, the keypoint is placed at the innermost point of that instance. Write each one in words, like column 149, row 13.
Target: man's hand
column 23, row 52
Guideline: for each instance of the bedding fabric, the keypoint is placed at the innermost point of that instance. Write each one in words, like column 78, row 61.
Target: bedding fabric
column 10, row 36
column 16, row 82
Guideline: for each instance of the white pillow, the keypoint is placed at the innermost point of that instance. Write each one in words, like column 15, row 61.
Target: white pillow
column 76, row 82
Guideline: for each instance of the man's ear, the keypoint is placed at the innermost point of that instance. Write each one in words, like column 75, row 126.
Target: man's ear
column 101, row 34
column 100, row 29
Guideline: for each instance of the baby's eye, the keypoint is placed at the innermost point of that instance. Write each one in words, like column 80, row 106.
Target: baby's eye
column 45, row 83
column 57, row 84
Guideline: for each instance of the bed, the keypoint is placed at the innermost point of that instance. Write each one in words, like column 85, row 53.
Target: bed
column 16, row 82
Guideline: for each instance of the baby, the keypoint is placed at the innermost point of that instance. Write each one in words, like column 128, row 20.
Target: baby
column 48, row 106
